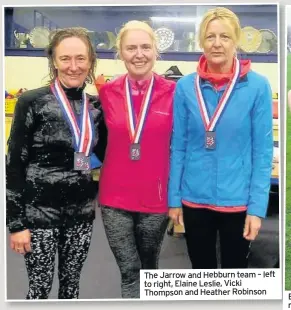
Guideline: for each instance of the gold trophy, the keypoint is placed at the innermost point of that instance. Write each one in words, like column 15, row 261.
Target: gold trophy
column 21, row 39
column 112, row 39
column 251, row 39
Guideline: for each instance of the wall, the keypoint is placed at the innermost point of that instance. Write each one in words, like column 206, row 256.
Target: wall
column 32, row 72
column 102, row 18
column 96, row 18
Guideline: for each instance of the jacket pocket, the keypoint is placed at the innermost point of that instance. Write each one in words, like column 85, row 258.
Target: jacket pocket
column 232, row 182
column 198, row 179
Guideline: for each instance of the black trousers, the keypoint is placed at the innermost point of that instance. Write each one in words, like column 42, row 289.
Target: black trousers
column 135, row 240
column 201, row 228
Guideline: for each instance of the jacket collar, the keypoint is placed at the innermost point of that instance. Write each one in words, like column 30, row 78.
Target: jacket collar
column 160, row 84
column 243, row 81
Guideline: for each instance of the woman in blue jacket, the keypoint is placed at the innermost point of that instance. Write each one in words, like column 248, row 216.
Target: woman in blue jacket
column 222, row 148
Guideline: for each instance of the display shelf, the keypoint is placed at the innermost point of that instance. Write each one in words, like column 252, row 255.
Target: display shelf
column 177, row 56
column 104, row 22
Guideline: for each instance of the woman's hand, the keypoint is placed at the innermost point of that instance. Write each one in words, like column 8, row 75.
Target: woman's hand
column 20, row 241
column 176, row 214
column 252, row 226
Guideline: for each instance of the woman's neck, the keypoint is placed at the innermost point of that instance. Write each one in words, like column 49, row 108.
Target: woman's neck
column 220, row 68
column 74, row 93
column 70, row 87
column 144, row 77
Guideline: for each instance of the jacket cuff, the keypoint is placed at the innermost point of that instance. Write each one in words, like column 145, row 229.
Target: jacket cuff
column 17, row 226
column 256, row 211
column 175, row 203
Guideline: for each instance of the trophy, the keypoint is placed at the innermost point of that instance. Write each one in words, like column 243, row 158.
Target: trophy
column 190, row 39
column 112, row 39
column 21, row 38
column 165, row 38
column 269, row 42
column 101, row 40
column 91, row 35
column 250, row 40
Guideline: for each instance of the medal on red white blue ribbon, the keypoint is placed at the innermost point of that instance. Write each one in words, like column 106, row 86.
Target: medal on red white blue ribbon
column 136, row 126
column 83, row 134
column 210, row 138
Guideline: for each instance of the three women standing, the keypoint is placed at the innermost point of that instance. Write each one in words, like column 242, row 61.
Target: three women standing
column 221, row 158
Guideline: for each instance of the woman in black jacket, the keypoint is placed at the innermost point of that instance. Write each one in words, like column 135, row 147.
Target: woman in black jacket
column 53, row 146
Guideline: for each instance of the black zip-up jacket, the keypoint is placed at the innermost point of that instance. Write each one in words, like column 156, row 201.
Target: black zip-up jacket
column 42, row 188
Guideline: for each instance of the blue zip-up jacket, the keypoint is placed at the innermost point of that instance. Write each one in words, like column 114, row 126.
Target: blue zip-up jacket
column 238, row 171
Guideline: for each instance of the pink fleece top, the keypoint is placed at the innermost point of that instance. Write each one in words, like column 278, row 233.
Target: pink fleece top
column 139, row 186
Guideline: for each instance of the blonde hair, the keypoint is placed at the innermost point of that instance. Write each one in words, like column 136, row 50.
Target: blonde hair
column 225, row 15
column 135, row 25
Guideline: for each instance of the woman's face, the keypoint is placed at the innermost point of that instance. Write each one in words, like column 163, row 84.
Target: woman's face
column 72, row 62
column 138, row 53
column 219, row 48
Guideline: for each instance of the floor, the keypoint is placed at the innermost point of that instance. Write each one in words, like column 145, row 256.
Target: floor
column 100, row 276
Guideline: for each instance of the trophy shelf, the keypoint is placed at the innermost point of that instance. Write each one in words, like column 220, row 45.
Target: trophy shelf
column 167, row 56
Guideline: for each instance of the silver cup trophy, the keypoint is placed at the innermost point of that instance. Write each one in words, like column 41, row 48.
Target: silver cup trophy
column 21, row 39
column 190, row 39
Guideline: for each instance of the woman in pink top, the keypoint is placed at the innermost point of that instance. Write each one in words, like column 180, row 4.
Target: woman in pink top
column 133, row 182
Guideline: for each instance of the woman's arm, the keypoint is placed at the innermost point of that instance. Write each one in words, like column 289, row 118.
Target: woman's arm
column 101, row 134
column 262, row 152
column 178, row 148
column 100, row 147
column 19, row 144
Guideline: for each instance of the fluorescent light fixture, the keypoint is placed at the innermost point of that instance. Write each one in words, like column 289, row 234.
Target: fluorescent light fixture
column 173, row 19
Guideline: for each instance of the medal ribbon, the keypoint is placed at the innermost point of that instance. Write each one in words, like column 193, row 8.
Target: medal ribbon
column 210, row 124
column 136, row 126
column 83, row 135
